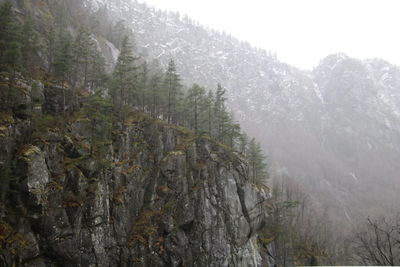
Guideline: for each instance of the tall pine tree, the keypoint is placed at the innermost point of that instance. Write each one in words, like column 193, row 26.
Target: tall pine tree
column 10, row 45
column 195, row 97
column 123, row 76
column 256, row 161
column 83, row 54
column 173, row 87
column 29, row 43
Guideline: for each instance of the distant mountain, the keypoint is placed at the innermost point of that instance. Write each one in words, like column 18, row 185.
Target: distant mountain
column 335, row 128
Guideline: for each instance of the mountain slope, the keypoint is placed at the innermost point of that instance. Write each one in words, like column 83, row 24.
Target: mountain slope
column 149, row 194
column 335, row 128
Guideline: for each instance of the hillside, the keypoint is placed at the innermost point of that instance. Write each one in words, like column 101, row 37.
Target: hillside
column 117, row 167
column 145, row 193
column 123, row 141
column 335, row 128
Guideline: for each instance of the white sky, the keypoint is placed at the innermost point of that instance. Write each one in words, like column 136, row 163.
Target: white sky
column 302, row 32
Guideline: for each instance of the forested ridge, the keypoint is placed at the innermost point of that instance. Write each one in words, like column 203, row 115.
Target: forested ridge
column 75, row 63
column 58, row 87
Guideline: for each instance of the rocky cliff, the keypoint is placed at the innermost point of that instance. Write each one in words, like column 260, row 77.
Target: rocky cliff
column 153, row 194
column 334, row 128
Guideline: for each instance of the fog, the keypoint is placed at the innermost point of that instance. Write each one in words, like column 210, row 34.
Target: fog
column 303, row 32
column 200, row 133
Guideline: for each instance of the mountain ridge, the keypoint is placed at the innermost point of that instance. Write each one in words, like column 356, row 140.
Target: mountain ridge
column 312, row 123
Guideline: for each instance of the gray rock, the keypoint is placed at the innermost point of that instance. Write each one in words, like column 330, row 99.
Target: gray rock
column 164, row 199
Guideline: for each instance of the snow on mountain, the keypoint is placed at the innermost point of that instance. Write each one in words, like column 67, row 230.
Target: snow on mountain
column 343, row 117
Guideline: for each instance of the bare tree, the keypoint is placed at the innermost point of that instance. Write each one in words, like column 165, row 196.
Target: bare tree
column 378, row 243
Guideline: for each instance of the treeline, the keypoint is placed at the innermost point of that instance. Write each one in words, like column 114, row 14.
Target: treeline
column 162, row 94
column 23, row 48
column 18, row 41
column 71, row 58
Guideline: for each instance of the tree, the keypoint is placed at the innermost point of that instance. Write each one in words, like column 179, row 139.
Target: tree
column 50, row 48
column 378, row 243
column 221, row 116
column 208, row 106
column 243, row 143
column 97, row 75
column 232, row 134
column 301, row 230
column 63, row 55
column 195, row 96
column 155, row 94
column 29, row 42
column 62, row 61
column 83, row 55
column 173, row 87
column 10, row 46
column 98, row 111
column 143, row 84
column 256, row 161
column 123, row 76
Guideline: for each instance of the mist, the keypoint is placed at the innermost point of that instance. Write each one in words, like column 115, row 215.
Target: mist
column 301, row 33
column 187, row 133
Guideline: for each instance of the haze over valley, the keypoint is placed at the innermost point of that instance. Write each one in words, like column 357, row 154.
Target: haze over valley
column 131, row 135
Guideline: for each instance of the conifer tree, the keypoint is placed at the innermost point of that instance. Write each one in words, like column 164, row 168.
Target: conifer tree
column 173, row 87
column 10, row 46
column 63, row 55
column 195, row 96
column 144, row 73
column 50, row 48
column 221, row 115
column 155, row 94
column 83, row 53
column 123, row 75
column 181, row 109
column 256, row 161
column 98, row 110
column 232, row 133
column 6, row 25
column 208, row 106
column 97, row 74
column 243, row 143
column 62, row 61
column 29, row 42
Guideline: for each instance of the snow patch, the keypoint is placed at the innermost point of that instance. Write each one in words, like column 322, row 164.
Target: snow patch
column 353, row 176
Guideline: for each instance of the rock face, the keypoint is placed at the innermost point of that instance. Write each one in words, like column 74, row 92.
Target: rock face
column 157, row 196
column 335, row 128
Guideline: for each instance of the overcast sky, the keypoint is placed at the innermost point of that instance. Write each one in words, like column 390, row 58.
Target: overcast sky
column 302, row 32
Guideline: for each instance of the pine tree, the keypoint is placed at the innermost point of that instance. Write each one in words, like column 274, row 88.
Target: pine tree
column 256, row 161
column 83, row 53
column 97, row 74
column 63, row 55
column 6, row 27
column 181, row 109
column 29, row 42
column 62, row 61
column 195, row 96
column 143, row 85
column 173, row 87
column 98, row 111
column 221, row 116
column 123, row 77
column 232, row 133
column 50, row 48
column 243, row 143
column 10, row 46
column 208, row 106
column 155, row 94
